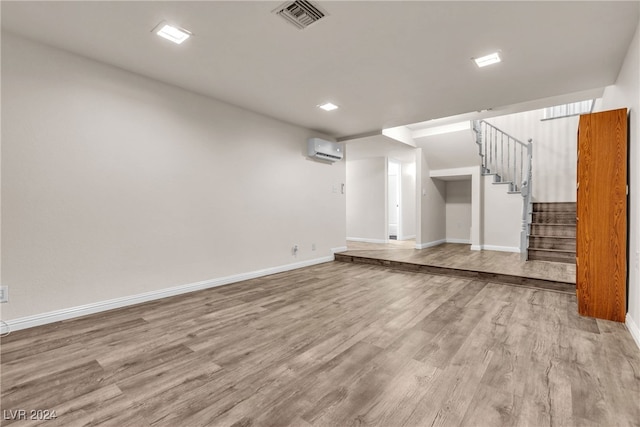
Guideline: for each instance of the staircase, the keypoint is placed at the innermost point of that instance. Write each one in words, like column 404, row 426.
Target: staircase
column 503, row 156
column 553, row 232
column 548, row 229
column 509, row 161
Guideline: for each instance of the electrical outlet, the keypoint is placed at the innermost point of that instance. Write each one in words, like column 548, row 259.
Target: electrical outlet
column 313, row 246
column 4, row 294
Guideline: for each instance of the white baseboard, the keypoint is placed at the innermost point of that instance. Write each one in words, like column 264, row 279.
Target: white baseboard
column 430, row 244
column 476, row 247
column 365, row 240
column 462, row 241
column 500, row 248
column 633, row 329
column 96, row 307
column 412, row 236
column 338, row 249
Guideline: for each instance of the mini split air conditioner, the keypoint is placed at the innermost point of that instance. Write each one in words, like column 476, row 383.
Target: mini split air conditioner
column 325, row 150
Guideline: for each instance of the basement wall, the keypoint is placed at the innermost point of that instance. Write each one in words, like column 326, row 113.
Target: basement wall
column 408, row 200
column 367, row 210
column 458, row 211
column 115, row 186
column 367, row 200
column 501, row 217
column 554, row 152
column 431, row 205
column 625, row 93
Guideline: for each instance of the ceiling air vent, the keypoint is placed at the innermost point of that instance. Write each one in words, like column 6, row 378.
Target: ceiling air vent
column 300, row 13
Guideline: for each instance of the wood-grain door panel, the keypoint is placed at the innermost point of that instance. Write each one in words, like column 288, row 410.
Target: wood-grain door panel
column 602, row 215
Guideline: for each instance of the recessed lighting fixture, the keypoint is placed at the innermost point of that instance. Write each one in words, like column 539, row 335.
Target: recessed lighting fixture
column 490, row 59
column 171, row 32
column 328, row 106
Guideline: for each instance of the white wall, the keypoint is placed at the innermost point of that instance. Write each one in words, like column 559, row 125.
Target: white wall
column 477, row 187
column 431, row 224
column 501, row 218
column 116, row 185
column 366, row 205
column 458, row 211
column 554, row 152
column 626, row 94
column 408, row 201
column 455, row 149
column 394, row 182
column 381, row 147
column 378, row 146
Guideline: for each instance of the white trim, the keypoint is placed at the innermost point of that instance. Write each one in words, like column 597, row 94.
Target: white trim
column 633, row 329
column 338, row 249
column 500, row 248
column 463, row 241
column 430, row 244
column 365, row 240
column 96, row 307
column 476, row 247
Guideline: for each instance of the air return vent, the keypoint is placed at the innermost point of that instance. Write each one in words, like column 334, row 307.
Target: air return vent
column 300, row 13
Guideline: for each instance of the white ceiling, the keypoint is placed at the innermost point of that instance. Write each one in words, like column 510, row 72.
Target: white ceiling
column 385, row 63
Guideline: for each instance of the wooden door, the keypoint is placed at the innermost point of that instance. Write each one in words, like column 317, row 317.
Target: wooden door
column 601, row 246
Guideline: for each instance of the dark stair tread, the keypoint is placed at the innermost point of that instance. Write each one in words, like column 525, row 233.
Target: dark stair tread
column 549, row 258
column 551, row 237
column 541, row 224
column 558, row 234
column 558, row 205
column 548, row 214
column 553, row 224
column 553, row 250
column 553, row 209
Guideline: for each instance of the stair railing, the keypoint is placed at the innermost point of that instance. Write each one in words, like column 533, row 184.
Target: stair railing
column 509, row 160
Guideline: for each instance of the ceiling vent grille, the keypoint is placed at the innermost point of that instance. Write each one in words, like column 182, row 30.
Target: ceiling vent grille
column 300, row 13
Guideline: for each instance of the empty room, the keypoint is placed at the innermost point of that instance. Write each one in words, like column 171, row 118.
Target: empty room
column 320, row 213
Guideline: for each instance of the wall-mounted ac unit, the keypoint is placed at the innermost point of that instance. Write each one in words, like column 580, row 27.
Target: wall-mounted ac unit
column 325, row 150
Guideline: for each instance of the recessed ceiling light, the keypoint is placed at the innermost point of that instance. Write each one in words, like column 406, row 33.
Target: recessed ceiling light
column 172, row 33
column 328, row 106
column 493, row 58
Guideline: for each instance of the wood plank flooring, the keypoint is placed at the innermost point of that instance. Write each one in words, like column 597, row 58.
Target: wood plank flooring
column 330, row 345
column 460, row 257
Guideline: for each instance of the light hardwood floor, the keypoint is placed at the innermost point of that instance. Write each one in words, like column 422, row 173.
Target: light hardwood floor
column 335, row 344
column 455, row 255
